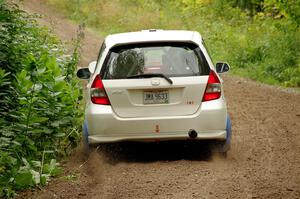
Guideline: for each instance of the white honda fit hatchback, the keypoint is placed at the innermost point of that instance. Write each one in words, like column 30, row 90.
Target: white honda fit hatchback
column 155, row 85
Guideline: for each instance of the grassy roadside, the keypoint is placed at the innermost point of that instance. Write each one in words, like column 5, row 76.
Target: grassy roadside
column 263, row 46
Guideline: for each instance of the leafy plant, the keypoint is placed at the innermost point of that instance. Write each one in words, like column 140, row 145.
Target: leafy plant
column 40, row 114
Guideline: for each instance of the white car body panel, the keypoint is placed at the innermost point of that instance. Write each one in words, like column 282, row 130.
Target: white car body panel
column 126, row 96
column 114, row 129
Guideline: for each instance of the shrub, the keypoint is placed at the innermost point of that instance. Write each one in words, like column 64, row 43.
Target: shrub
column 260, row 39
column 40, row 115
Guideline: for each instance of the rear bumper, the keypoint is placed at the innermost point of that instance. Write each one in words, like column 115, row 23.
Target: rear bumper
column 104, row 126
column 156, row 136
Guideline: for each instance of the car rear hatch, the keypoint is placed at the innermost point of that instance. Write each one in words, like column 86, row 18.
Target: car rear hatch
column 155, row 80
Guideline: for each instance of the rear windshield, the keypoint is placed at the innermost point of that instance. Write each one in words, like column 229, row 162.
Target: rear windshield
column 170, row 59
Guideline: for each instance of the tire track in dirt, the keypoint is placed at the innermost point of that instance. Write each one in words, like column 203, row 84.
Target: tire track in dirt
column 264, row 161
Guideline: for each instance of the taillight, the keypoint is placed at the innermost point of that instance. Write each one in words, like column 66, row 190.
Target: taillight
column 213, row 88
column 98, row 94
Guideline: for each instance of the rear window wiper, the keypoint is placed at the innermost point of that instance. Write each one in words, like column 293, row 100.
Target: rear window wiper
column 149, row 75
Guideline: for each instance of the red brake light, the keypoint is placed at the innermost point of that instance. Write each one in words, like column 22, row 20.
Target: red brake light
column 213, row 88
column 213, row 78
column 98, row 94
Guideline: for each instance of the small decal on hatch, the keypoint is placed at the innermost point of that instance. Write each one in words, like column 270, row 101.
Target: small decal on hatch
column 157, row 128
column 190, row 102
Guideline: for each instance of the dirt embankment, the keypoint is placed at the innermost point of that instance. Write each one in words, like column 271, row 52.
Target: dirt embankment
column 64, row 28
column 264, row 161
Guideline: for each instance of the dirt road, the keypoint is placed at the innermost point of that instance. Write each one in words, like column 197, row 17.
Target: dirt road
column 264, row 161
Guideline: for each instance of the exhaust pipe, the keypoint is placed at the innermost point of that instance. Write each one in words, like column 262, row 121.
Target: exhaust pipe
column 192, row 134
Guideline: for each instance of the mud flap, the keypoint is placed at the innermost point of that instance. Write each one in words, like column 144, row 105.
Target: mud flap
column 85, row 139
column 224, row 146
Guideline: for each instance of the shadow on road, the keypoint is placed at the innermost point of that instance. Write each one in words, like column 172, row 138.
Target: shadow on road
column 151, row 152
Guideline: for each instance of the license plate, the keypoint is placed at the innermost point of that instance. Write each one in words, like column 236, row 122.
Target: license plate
column 156, row 97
